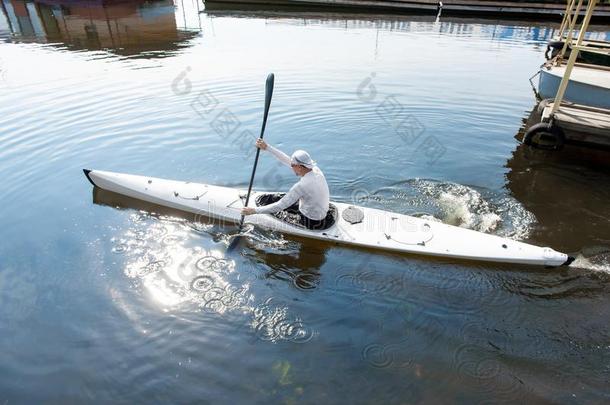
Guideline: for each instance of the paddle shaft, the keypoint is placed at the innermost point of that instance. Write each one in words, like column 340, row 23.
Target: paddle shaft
column 268, row 95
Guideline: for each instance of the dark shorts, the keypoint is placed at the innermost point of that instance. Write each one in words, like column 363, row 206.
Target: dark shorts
column 296, row 216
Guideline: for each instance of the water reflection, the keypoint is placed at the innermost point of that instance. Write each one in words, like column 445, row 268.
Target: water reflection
column 463, row 26
column 300, row 266
column 128, row 28
column 567, row 191
column 294, row 262
column 177, row 270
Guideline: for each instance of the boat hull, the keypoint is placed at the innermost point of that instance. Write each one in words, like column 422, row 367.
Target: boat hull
column 378, row 229
column 587, row 86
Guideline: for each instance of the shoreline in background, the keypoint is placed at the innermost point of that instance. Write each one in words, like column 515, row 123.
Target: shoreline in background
column 541, row 10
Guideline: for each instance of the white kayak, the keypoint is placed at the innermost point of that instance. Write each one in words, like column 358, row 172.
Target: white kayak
column 353, row 225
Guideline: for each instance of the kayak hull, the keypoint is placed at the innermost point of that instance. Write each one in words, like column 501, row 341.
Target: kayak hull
column 377, row 229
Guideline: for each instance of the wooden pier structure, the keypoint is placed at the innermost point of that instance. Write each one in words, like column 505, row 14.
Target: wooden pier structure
column 536, row 9
column 584, row 123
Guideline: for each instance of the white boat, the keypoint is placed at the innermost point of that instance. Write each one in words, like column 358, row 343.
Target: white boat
column 589, row 85
column 352, row 225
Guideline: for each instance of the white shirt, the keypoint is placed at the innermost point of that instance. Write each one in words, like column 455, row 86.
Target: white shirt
column 311, row 192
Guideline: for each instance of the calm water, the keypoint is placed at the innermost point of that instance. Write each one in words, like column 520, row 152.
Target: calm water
column 102, row 301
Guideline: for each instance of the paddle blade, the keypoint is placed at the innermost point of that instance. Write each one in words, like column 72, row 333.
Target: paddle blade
column 234, row 243
column 269, row 90
column 268, row 94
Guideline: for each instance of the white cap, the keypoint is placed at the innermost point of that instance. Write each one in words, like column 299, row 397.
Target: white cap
column 300, row 157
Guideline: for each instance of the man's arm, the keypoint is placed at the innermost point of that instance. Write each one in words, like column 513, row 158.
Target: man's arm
column 290, row 198
column 279, row 155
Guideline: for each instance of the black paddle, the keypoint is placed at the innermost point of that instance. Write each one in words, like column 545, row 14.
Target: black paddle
column 268, row 95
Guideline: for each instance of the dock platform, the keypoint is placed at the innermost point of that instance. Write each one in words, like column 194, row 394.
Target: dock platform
column 581, row 124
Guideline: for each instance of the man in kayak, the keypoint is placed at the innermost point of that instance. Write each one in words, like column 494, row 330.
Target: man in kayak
column 308, row 199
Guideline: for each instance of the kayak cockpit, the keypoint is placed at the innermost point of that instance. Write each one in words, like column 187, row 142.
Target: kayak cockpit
column 290, row 215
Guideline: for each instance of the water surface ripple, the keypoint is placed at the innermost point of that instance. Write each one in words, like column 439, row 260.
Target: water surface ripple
column 107, row 299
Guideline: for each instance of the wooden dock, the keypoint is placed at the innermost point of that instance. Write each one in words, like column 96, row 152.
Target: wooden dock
column 552, row 10
column 581, row 124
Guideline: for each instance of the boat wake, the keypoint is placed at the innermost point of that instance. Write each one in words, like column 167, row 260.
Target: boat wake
column 481, row 211
column 596, row 259
column 466, row 208
column 456, row 204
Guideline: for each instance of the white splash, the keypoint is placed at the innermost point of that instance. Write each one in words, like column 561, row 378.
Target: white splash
column 599, row 263
column 466, row 208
